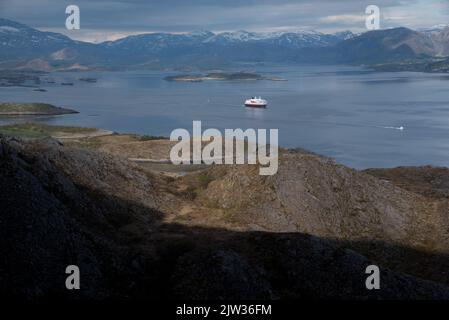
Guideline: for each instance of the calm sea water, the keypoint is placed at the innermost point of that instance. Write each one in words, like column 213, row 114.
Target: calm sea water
column 347, row 113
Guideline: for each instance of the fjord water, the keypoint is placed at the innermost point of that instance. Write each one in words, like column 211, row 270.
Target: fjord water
column 348, row 113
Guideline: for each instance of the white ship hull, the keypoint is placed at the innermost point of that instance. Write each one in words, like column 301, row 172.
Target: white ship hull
column 256, row 103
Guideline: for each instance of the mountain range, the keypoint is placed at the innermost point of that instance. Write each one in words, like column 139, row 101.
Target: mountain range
column 28, row 48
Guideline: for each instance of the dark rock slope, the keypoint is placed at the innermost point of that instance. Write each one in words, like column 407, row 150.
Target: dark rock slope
column 62, row 206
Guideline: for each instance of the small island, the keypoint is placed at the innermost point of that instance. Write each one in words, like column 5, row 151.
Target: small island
column 221, row 76
column 90, row 80
column 21, row 109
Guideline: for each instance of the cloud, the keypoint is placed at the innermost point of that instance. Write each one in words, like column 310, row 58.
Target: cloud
column 347, row 18
column 106, row 19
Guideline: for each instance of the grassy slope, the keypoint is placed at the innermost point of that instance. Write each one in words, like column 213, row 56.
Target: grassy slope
column 30, row 130
column 32, row 108
column 36, row 130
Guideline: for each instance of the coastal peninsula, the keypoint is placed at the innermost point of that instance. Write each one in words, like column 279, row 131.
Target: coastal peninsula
column 21, row 109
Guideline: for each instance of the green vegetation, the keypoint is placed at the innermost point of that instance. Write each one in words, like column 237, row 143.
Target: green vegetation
column 204, row 180
column 7, row 108
column 37, row 130
column 22, row 132
column 148, row 138
column 24, row 107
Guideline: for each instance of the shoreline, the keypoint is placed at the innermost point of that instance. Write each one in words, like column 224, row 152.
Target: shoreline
column 140, row 148
column 32, row 109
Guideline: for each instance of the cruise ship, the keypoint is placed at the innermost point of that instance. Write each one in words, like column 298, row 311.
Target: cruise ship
column 255, row 102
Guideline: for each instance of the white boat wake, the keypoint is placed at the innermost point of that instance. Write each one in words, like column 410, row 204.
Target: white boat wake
column 401, row 128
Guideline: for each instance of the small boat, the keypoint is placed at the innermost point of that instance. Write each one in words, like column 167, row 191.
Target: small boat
column 255, row 102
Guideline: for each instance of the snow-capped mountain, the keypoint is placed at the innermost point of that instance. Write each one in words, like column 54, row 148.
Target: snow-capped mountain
column 20, row 44
column 18, row 38
column 294, row 39
column 441, row 42
column 231, row 46
column 158, row 41
column 25, row 47
column 346, row 35
column 434, row 29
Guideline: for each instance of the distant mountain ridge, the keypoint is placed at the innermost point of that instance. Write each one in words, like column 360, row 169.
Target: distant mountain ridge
column 386, row 45
column 27, row 48
column 16, row 37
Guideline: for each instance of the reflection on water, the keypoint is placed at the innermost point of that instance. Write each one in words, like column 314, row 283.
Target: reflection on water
column 255, row 113
column 344, row 112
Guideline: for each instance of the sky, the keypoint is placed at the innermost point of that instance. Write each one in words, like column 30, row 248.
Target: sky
column 109, row 20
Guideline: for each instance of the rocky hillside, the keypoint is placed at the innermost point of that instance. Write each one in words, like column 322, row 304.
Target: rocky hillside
column 399, row 44
column 221, row 233
column 314, row 195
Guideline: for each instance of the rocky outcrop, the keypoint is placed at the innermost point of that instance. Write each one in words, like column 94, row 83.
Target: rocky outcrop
column 62, row 206
column 315, row 195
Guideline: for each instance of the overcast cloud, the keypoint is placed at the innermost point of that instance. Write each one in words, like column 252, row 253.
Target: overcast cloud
column 104, row 19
